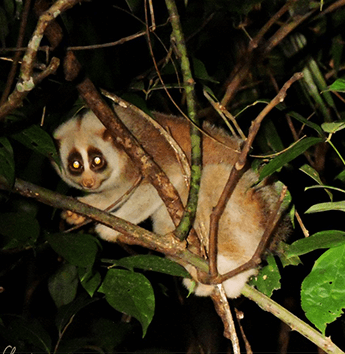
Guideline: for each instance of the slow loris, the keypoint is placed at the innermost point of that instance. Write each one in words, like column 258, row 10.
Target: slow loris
column 92, row 162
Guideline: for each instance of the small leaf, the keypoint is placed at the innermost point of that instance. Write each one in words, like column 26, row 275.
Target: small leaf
column 130, row 293
column 287, row 156
column 78, row 249
column 323, row 290
column 35, row 138
column 268, row 278
column 66, row 312
column 200, row 71
column 311, row 172
column 90, row 280
column 271, row 136
column 285, row 258
column 6, row 162
column 306, row 122
column 338, row 85
column 18, row 230
column 27, row 331
column 153, row 263
column 110, row 334
column 320, row 240
column 333, row 127
column 317, row 208
column 341, row 176
column 63, row 285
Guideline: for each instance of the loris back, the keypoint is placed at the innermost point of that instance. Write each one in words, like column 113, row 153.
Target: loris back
column 92, row 161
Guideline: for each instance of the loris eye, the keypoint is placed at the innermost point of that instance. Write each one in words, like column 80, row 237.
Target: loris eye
column 76, row 165
column 97, row 161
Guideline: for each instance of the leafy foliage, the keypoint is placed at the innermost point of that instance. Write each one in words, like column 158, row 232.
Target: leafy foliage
column 79, row 288
column 323, row 289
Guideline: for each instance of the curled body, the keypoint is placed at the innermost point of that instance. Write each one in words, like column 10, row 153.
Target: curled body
column 93, row 162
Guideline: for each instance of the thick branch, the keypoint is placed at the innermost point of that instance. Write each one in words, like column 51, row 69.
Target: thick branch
column 130, row 234
column 96, row 103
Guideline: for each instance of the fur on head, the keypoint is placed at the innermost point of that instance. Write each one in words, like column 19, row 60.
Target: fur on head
column 89, row 159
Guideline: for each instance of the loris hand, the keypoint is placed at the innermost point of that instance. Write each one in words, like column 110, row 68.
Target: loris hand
column 73, row 218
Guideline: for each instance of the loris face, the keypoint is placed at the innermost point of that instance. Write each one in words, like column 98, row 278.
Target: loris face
column 88, row 156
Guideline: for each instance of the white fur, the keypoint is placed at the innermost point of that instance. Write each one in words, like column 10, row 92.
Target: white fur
column 232, row 286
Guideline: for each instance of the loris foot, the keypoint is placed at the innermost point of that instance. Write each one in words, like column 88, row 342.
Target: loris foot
column 73, row 218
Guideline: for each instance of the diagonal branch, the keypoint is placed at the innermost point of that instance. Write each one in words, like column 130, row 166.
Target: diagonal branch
column 26, row 79
column 130, row 234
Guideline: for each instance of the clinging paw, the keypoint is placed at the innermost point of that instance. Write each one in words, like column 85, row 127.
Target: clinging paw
column 72, row 218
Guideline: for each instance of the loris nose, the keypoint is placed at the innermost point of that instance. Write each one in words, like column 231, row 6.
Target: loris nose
column 88, row 182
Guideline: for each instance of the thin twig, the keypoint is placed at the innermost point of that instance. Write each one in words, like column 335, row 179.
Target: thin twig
column 21, row 91
column 237, row 171
column 240, row 72
column 196, row 161
column 17, row 55
column 27, row 81
column 257, row 256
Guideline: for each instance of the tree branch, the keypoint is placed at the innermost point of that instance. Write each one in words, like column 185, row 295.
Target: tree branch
column 238, row 170
column 291, row 320
column 26, row 79
column 130, row 234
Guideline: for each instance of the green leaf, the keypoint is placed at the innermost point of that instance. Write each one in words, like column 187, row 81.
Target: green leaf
column 320, row 240
column 338, row 86
column 271, row 136
column 90, row 280
column 268, row 279
column 200, row 71
column 110, row 334
column 18, row 230
column 67, row 312
column 6, row 162
column 153, row 263
column 341, row 176
column 333, row 127
column 130, row 293
column 63, row 285
column 285, row 258
column 306, row 122
column 317, row 208
column 27, row 331
column 78, row 249
column 287, row 156
column 311, row 172
column 323, row 290
column 36, row 139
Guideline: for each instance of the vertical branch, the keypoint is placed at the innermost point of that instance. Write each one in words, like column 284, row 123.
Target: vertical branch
column 17, row 54
column 238, row 170
column 188, row 82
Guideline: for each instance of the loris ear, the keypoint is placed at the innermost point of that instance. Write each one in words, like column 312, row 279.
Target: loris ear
column 107, row 135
